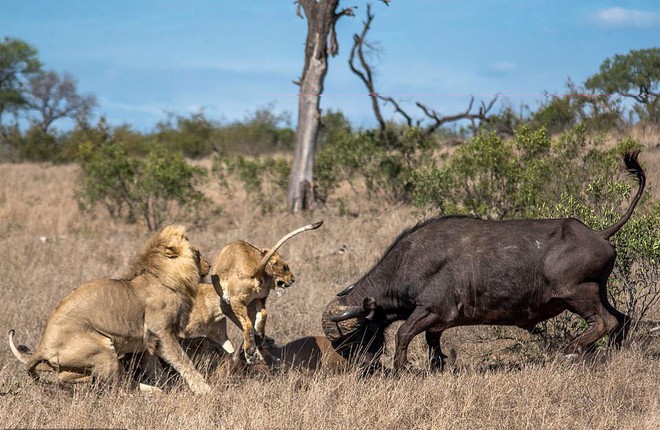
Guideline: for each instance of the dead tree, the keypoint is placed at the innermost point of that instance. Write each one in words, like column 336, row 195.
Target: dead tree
column 322, row 15
column 364, row 72
column 365, row 75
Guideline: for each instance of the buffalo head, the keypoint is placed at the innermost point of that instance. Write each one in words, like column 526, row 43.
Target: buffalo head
column 354, row 329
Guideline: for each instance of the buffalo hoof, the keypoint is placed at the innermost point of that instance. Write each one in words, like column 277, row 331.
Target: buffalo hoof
column 406, row 369
column 437, row 365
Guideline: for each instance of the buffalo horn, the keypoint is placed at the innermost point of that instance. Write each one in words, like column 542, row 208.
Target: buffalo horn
column 352, row 312
column 346, row 290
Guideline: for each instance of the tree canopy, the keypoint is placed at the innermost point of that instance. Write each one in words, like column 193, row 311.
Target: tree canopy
column 635, row 75
column 18, row 62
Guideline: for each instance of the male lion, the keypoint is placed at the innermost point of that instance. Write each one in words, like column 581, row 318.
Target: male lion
column 246, row 275
column 99, row 322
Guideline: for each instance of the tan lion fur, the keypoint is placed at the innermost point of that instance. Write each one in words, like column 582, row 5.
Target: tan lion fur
column 246, row 275
column 208, row 318
column 99, row 322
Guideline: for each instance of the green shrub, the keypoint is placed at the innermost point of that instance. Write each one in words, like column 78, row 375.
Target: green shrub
column 264, row 180
column 263, row 132
column 556, row 115
column 137, row 188
column 334, row 127
column 497, row 178
column 386, row 162
column 596, row 112
column 37, row 145
column 193, row 136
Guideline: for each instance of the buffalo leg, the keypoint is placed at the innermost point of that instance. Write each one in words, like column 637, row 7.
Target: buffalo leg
column 619, row 333
column 436, row 357
column 586, row 302
column 421, row 319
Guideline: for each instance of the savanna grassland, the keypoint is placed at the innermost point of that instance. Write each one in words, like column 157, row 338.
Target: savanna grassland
column 497, row 378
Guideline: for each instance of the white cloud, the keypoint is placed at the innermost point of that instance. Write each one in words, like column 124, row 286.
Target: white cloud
column 134, row 107
column 618, row 17
column 499, row 69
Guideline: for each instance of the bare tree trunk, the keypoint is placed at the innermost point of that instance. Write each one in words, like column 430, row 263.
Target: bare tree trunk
column 321, row 43
column 301, row 194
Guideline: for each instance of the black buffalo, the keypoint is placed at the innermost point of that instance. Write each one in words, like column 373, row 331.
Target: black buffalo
column 452, row 271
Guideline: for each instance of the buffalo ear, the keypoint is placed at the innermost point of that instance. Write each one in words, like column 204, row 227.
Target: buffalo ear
column 215, row 280
column 369, row 305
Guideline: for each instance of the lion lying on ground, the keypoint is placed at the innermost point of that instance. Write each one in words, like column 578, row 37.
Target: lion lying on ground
column 96, row 324
column 247, row 274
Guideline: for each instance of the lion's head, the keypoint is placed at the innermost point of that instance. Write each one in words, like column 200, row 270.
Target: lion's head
column 279, row 271
column 172, row 260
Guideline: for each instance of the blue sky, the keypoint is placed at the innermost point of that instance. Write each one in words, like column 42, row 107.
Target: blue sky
column 145, row 58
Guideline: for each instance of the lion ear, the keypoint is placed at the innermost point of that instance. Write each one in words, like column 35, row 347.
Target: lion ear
column 172, row 252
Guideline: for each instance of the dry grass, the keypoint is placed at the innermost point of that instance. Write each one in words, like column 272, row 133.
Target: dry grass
column 49, row 248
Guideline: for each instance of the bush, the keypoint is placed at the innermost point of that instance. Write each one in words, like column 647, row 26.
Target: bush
column 265, row 180
column 132, row 188
column 384, row 161
column 556, row 115
column 37, row 145
column 596, row 112
column 334, row 127
column 518, row 177
column 194, row 136
column 264, row 132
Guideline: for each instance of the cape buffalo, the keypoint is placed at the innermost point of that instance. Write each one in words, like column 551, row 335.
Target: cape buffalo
column 451, row 271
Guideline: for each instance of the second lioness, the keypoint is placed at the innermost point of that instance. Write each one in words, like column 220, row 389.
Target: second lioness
column 247, row 274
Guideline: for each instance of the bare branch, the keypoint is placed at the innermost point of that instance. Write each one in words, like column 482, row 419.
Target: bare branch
column 365, row 75
column 298, row 11
column 439, row 120
column 349, row 11
column 333, row 46
column 398, row 109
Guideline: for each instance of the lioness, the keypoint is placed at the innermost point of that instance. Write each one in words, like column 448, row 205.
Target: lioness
column 247, row 274
column 99, row 322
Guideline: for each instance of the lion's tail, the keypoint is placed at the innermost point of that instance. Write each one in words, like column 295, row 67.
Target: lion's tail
column 25, row 356
column 21, row 352
column 264, row 260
